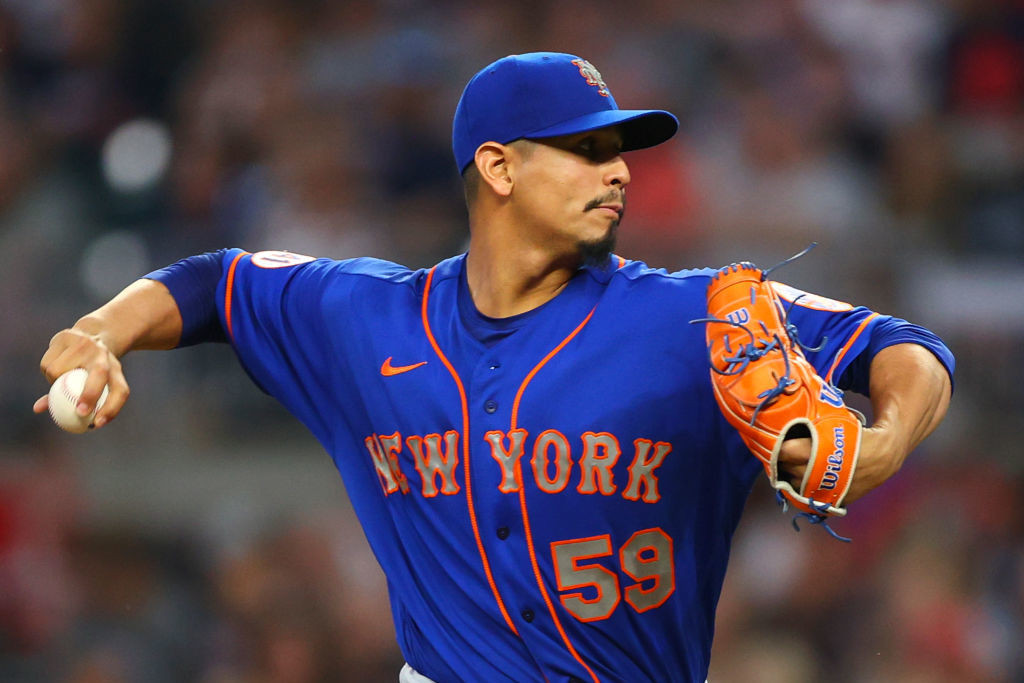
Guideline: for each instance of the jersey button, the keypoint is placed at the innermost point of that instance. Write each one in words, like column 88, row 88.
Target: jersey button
column 495, row 365
column 490, row 406
column 528, row 615
column 503, row 532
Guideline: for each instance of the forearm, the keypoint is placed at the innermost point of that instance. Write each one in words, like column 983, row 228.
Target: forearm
column 910, row 393
column 143, row 316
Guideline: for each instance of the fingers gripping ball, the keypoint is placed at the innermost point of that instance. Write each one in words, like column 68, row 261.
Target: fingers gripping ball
column 765, row 388
column 63, row 399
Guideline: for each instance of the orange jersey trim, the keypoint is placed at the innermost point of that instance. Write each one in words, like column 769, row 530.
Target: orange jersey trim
column 465, row 452
column 228, row 288
column 522, row 500
column 847, row 345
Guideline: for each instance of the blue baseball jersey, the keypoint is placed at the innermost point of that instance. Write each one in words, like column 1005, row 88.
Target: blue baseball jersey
column 551, row 496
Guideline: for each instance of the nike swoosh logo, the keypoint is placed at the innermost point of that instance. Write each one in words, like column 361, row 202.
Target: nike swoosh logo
column 388, row 370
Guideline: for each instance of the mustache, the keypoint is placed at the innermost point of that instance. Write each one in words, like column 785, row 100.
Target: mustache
column 613, row 197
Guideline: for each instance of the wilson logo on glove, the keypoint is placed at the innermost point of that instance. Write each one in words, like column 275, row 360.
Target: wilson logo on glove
column 832, row 396
column 835, row 461
column 738, row 317
column 766, row 388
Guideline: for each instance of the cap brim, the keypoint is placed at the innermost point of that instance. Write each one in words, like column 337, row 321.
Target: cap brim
column 640, row 127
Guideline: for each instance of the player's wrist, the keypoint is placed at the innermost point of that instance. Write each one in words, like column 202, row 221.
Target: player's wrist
column 881, row 456
column 889, row 440
column 103, row 334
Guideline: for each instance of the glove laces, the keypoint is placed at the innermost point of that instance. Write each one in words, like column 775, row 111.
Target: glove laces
column 755, row 348
column 818, row 519
column 740, row 356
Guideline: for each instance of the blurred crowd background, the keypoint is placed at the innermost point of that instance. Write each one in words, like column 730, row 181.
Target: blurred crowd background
column 204, row 536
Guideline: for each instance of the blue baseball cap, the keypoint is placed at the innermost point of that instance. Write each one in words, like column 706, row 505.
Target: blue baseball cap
column 544, row 94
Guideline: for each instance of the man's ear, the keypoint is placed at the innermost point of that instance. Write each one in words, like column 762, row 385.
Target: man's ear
column 492, row 161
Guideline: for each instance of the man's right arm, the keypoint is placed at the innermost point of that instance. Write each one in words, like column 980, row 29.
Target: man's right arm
column 143, row 316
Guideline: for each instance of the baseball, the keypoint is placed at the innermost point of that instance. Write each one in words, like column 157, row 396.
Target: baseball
column 64, row 397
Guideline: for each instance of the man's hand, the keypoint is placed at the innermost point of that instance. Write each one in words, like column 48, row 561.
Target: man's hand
column 879, row 460
column 910, row 393
column 143, row 316
column 75, row 348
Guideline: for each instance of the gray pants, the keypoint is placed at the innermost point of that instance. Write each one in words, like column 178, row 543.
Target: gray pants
column 410, row 675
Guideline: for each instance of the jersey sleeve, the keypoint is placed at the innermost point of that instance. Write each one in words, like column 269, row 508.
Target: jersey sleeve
column 889, row 331
column 273, row 307
column 192, row 283
column 840, row 340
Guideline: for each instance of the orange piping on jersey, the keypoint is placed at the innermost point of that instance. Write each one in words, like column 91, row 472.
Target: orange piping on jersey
column 465, row 452
column 846, row 347
column 622, row 261
column 522, row 500
column 228, row 287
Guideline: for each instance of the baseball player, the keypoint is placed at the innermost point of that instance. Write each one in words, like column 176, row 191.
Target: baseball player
column 527, row 431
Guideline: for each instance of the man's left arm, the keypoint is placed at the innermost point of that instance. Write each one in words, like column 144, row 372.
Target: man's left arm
column 910, row 392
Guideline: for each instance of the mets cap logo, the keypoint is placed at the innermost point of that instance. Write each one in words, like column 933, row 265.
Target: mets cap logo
column 593, row 76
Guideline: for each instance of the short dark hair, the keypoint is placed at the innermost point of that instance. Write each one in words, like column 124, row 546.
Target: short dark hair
column 470, row 184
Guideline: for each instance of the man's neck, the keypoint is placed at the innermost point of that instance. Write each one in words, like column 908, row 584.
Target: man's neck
column 508, row 280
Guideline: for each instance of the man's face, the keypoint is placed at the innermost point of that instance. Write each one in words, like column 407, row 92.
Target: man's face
column 571, row 190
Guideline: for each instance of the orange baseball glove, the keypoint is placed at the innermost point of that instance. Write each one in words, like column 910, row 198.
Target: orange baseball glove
column 768, row 391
